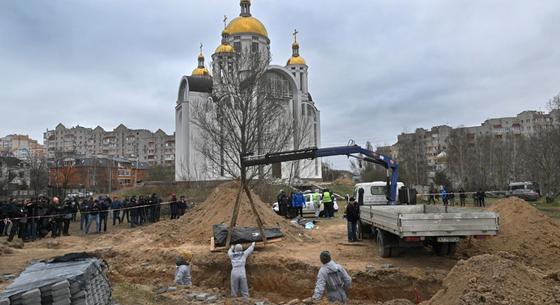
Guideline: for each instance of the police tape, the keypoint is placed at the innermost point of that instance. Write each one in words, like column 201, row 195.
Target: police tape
column 87, row 212
column 466, row 193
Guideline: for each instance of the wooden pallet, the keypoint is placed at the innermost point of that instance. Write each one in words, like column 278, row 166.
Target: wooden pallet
column 259, row 244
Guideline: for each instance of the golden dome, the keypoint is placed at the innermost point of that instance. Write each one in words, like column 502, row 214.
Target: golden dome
column 246, row 25
column 200, row 72
column 296, row 60
column 224, row 48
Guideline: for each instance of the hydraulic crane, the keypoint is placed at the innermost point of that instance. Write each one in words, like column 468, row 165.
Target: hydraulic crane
column 354, row 151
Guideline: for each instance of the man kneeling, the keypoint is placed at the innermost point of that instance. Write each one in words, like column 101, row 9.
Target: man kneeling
column 183, row 270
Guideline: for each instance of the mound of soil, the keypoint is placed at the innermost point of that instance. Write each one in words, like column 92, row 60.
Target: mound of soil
column 496, row 279
column 525, row 232
column 196, row 225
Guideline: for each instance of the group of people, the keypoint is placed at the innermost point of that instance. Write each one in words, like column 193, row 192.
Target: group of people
column 35, row 218
column 448, row 196
column 332, row 279
column 292, row 205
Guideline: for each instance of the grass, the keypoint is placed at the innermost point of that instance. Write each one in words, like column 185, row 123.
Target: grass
column 550, row 209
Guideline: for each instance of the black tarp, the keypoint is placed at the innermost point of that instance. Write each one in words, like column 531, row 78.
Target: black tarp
column 242, row 234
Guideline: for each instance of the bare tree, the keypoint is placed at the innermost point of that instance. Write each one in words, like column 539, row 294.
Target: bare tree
column 39, row 174
column 248, row 113
column 413, row 163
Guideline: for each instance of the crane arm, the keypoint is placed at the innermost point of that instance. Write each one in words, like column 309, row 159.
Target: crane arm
column 314, row 152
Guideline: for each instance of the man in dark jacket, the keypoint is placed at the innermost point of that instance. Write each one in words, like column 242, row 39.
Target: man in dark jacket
column 173, row 206
column 282, row 200
column 126, row 210
column 57, row 215
column 92, row 210
column 104, row 205
column 352, row 215
column 116, row 207
column 462, row 196
column 182, row 205
column 68, row 211
column 15, row 212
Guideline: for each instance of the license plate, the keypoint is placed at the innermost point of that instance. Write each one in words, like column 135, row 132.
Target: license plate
column 448, row 239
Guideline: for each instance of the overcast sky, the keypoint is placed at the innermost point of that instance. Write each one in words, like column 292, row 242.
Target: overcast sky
column 376, row 68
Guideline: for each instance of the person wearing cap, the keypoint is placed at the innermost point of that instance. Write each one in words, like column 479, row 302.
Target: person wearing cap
column 333, row 279
column 238, row 275
column 352, row 216
column 183, row 270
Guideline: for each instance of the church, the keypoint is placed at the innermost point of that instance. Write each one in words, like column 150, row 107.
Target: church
column 245, row 34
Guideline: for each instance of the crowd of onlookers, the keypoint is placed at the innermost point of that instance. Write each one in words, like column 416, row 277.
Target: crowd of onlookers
column 448, row 196
column 35, row 218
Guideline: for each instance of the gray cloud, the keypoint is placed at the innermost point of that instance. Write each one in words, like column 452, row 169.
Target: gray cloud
column 377, row 68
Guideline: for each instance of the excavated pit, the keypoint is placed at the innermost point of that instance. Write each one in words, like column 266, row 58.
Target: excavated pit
column 282, row 280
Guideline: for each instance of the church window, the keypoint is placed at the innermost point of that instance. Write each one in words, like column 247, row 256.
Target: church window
column 255, row 47
column 301, row 82
column 237, row 46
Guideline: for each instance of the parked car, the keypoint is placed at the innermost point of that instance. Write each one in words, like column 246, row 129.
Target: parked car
column 526, row 190
column 308, row 208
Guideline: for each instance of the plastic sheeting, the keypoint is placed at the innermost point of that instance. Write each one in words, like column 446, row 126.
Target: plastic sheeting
column 242, row 234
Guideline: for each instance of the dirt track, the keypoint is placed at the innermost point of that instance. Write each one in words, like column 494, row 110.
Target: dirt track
column 286, row 270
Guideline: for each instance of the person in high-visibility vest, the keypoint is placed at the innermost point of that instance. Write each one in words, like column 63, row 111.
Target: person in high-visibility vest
column 327, row 203
column 316, row 202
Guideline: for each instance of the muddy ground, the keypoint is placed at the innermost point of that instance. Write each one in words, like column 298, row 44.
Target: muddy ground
column 142, row 259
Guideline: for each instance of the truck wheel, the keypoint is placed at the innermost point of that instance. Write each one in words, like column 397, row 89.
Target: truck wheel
column 383, row 246
column 441, row 248
column 452, row 249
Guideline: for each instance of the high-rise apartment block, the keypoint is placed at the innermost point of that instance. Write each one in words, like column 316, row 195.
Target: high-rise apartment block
column 154, row 148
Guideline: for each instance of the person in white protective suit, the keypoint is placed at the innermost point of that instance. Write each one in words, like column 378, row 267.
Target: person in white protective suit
column 333, row 279
column 238, row 276
column 183, row 270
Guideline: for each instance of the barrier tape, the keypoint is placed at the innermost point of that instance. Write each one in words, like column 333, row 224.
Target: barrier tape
column 169, row 202
column 85, row 212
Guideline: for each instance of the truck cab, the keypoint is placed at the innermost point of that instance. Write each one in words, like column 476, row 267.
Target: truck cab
column 375, row 193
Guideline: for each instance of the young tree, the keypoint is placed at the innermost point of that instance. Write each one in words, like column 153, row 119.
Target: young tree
column 247, row 114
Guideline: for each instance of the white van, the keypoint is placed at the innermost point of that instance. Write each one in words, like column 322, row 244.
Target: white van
column 375, row 193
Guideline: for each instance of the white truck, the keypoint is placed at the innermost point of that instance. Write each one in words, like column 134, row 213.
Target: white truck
column 401, row 226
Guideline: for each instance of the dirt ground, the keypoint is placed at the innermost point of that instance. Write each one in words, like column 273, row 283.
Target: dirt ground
column 142, row 260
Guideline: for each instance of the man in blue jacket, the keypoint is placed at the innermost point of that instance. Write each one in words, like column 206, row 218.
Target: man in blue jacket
column 297, row 202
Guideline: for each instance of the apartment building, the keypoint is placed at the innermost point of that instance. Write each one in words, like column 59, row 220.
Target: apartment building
column 154, row 148
column 21, row 147
column 431, row 145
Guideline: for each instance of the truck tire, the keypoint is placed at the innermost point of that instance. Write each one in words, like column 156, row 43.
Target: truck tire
column 452, row 249
column 441, row 248
column 383, row 244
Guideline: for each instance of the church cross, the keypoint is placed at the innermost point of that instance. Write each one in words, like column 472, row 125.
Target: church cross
column 295, row 35
column 225, row 21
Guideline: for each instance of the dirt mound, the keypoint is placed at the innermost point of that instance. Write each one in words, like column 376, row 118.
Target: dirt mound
column 496, row 279
column 196, row 225
column 525, row 232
